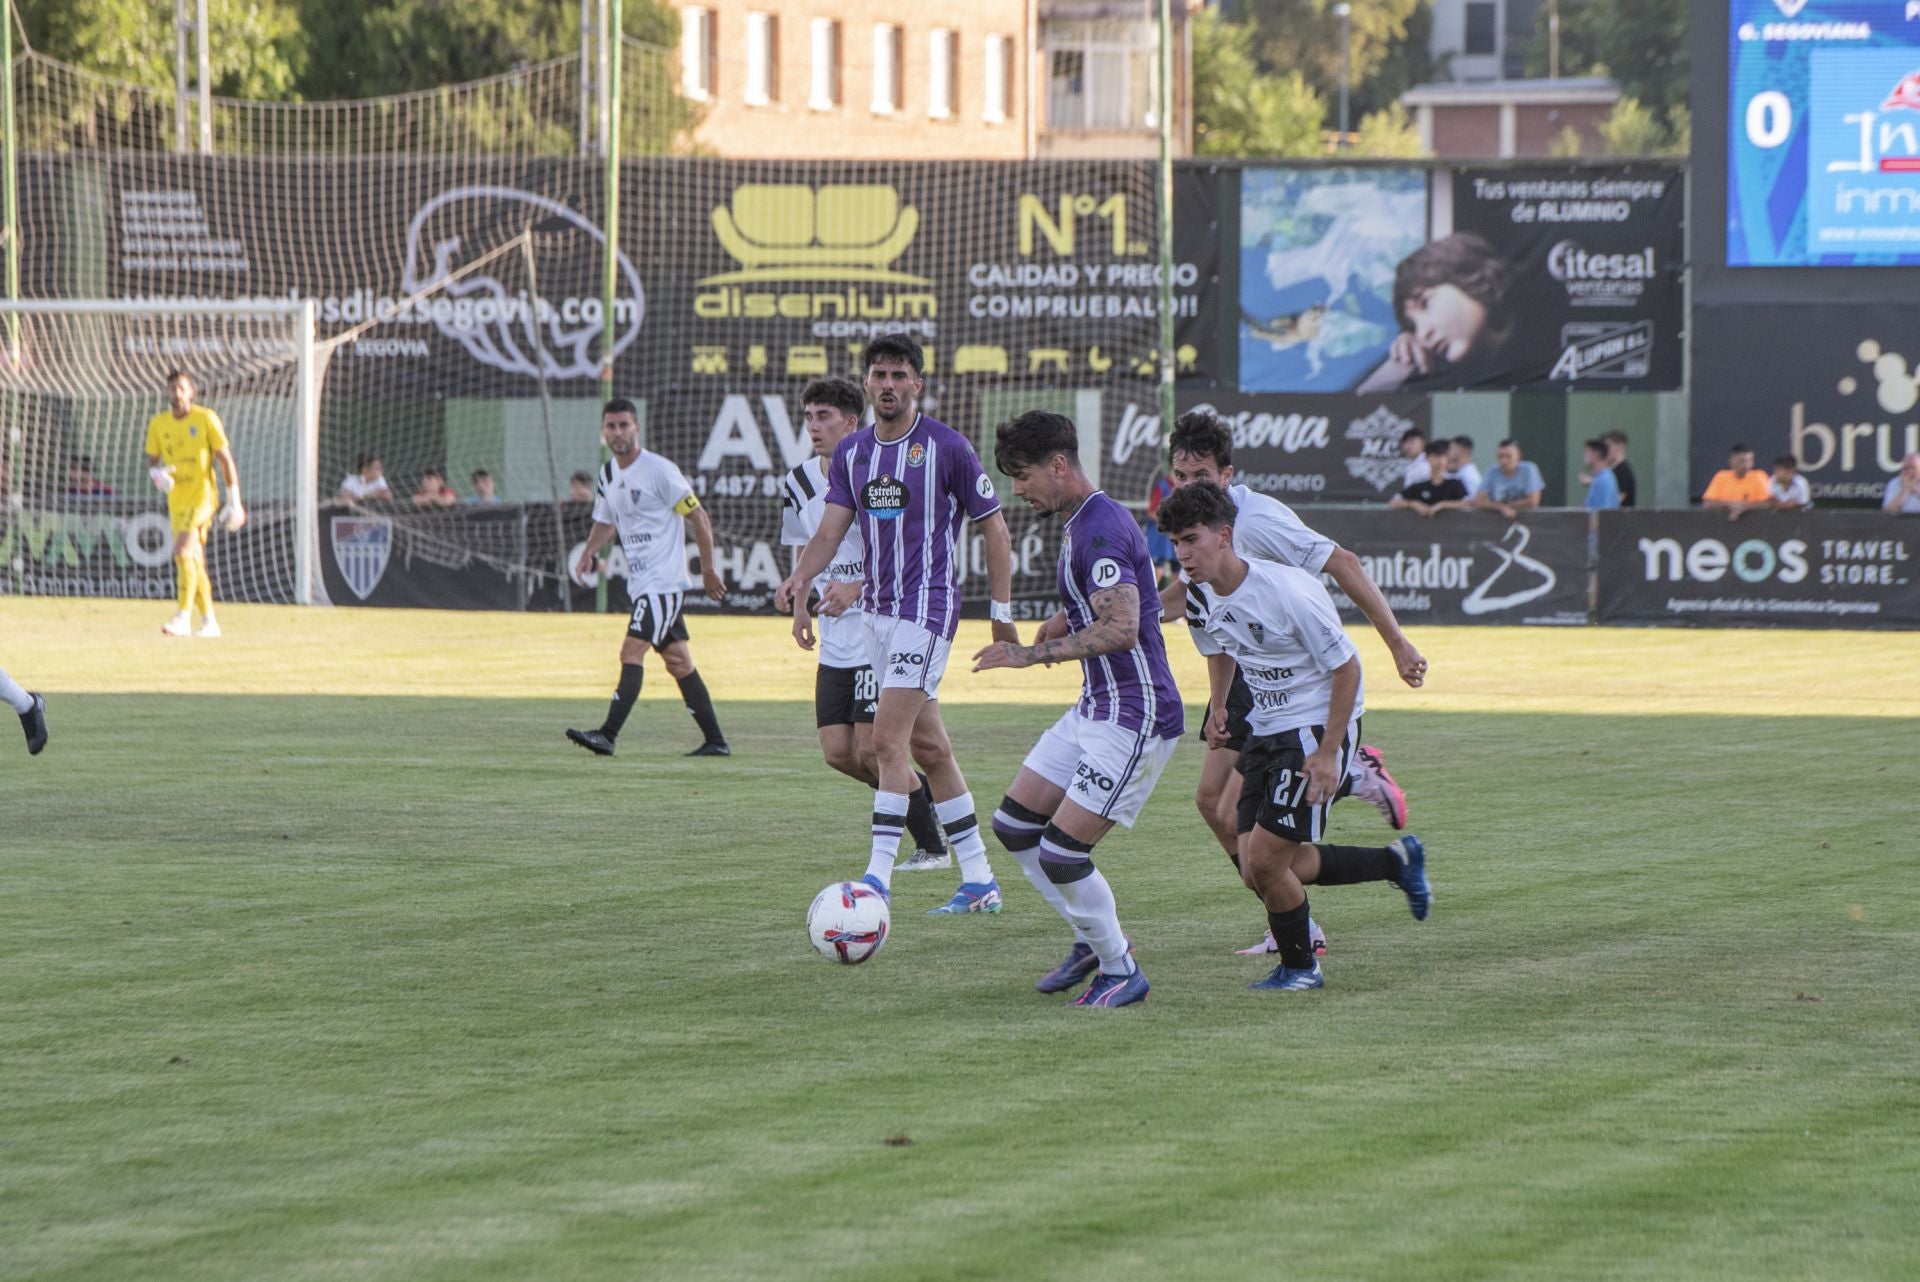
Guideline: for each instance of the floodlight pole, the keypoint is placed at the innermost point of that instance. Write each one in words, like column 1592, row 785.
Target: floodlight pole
column 204, row 67
column 1165, row 220
column 179, row 75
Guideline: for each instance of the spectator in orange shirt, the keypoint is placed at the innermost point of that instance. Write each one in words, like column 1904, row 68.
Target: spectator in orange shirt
column 1739, row 487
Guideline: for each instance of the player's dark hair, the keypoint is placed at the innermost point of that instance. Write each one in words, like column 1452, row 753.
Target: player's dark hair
column 1470, row 264
column 842, row 394
column 1201, row 434
column 1787, row 461
column 897, row 347
column 1616, row 436
column 1197, row 503
column 1599, row 446
column 619, row 405
column 1030, row 439
column 177, row 375
column 1413, row 434
column 1464, row 442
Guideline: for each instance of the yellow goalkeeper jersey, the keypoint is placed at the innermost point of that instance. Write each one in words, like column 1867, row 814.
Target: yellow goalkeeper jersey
column 188, row 446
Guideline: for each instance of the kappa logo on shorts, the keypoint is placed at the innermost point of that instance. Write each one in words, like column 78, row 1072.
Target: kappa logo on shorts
column 1086, row 779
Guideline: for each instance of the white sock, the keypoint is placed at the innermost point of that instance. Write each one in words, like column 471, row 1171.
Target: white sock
column 1029, row 861
column 1090, row 907
column 889, row 821
column 963, row 833
column 14, row 697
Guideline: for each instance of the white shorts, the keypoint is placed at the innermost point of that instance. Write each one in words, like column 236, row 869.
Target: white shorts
column 1105, row 770
column 904, row 655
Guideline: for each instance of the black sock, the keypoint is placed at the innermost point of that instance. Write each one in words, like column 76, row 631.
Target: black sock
column 922, row 822
column 625, row 695
column 700, row 704
column 1291, row 934
column 1346, row 865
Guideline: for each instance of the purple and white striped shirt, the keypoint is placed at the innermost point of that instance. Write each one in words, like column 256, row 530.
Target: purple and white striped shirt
column 911, row 499
column 1102, row 547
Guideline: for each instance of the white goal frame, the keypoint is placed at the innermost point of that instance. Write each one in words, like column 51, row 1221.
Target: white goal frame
column 303, row 314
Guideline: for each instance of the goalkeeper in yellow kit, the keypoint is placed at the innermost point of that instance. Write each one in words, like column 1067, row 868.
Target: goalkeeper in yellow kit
column 183, row 444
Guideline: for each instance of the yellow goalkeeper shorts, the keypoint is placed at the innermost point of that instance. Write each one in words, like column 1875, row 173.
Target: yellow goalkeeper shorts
column 192, row 510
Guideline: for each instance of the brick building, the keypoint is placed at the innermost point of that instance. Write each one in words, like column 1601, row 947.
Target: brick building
column 879, row 79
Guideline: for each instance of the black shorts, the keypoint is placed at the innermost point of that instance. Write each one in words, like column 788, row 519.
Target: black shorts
column 1239, row 708
column 844, row 696
column 1273, row 782
column 657, row 619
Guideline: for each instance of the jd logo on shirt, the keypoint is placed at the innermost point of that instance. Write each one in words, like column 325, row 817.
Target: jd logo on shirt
column 885, row 498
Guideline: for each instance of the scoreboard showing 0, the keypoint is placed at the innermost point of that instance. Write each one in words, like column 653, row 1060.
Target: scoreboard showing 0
column 1823, row 133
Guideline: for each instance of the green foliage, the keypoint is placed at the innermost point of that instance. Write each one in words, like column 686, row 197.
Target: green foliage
column 1240, row 111
column 1566, row 143
column 1632, row 129
column 1388, row 53
column 257, row 48
column 1389, row 133
column 1642, row 44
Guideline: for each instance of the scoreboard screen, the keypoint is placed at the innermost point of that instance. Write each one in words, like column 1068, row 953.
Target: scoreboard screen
column 1823, row 133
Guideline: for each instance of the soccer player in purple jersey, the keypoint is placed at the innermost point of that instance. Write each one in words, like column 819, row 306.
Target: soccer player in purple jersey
column 912, row 483
column 1096, row 766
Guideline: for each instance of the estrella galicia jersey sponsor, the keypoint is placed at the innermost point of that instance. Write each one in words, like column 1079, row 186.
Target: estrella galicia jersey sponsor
column 911, row 499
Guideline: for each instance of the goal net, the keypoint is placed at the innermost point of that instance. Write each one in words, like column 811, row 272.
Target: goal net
column 79, row 382
column 453, row 245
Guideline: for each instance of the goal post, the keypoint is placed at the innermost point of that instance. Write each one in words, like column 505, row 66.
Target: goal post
column 81, row 378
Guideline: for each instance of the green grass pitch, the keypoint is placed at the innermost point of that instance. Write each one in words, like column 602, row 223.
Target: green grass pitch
column 322, row 956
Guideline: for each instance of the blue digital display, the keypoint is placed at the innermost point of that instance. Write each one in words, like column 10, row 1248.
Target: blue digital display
column 1823, row 133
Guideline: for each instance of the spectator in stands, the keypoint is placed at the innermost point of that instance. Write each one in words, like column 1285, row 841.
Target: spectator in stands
column 1436, row 494
column 367, row 483
column 1903, row 490
column 1622, row 470
column 433, row 490
column 1159, row 546
column 1460, row 464
column 1739, row 487
column 1413, row 448
column 82, row 483
column 1789, row 489
column 1514, row 484
column 483, row 491
column 1603, row 491
column 580, row 488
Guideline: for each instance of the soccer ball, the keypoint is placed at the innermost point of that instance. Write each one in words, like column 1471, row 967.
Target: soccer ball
column 847, row 922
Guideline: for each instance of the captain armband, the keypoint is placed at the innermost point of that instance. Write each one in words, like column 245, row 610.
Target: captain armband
column 686, row 504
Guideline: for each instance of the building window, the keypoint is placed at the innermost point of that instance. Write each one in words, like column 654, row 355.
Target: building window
column 942, row 90
column 763, row 59
column 696, row 52
column 999, row 56
column 1480, row 27
column 888, row 82
column 823, row 94
column 1101, row 74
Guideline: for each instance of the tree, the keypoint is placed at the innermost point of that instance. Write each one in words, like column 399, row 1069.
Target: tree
column 256, row 47
column 1632, row 129
column 1642, row 44
column 1388, row 133
column 1238, row 110
column 1304, row 36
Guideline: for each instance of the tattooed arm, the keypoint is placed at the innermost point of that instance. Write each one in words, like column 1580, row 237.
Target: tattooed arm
column 1115, row 627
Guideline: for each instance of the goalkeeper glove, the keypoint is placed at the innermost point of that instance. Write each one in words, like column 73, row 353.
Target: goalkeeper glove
column 232, row 515
column 162, row 478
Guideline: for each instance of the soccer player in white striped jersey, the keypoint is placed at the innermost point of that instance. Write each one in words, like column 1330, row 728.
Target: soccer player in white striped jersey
column 645, row 499
column 846, row 693
column 31, row 708
column 1276, row 626
column 1200, row 448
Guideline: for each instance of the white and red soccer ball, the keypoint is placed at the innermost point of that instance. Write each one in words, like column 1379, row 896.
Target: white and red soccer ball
column 847, row 922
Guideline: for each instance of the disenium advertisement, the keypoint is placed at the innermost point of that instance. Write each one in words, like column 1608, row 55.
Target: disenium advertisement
column 1823, row 133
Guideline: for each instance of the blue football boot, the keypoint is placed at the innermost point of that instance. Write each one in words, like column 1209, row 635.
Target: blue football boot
column 972, row 897
column 1115, row 990
column 871, row 880
column 1072, row 972
column 1413, row 875
column 1283, row 980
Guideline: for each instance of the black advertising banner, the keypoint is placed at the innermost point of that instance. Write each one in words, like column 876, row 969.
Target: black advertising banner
column 1317, row 449
column 460, row 559
column 1582, row 289
column 1836, row 386
column 1768, row 569
column 124, row 548
column 1467, row 567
